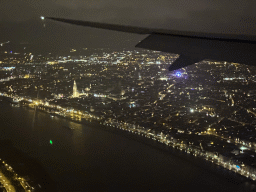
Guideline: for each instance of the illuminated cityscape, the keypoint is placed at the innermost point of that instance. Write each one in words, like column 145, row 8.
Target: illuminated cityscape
column 127, row 96
column 206, row 110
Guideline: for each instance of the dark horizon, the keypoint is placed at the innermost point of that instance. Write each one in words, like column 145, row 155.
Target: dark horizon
column 20, row 20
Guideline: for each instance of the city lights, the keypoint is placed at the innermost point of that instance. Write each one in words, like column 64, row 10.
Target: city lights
column 178, row 74
column 243, row 148
column 198, row 116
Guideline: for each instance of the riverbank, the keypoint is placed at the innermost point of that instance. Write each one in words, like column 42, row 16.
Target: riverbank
column 198, row 161
column 89, row 158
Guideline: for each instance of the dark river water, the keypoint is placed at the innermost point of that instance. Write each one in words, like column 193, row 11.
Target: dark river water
column 92, row 159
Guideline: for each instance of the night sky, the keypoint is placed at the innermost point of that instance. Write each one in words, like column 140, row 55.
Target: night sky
column 20, row 20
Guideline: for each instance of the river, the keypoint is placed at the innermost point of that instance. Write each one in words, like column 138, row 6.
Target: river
column 92, row 159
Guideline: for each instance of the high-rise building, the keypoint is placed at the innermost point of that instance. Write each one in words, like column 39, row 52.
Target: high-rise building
column 75, row 92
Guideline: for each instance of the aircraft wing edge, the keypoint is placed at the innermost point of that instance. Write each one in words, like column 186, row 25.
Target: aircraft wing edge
column 143, row 30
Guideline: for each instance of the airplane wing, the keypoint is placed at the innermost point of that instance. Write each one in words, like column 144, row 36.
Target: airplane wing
column 192, row 47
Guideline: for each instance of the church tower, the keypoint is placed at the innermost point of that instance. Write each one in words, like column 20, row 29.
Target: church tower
column 75, row 92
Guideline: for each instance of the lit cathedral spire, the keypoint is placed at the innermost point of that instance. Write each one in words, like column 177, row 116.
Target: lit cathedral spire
column 75, row 92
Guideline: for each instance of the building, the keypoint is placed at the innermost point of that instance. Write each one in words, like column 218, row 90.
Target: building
column 75, row 92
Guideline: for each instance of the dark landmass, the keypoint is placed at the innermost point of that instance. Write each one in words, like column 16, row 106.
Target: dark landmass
column 26, row 167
